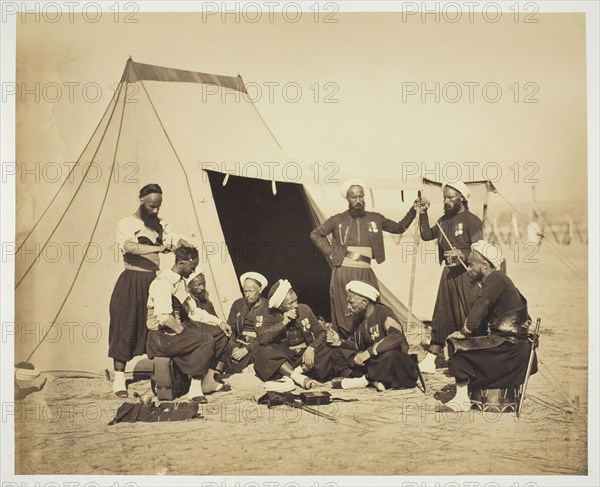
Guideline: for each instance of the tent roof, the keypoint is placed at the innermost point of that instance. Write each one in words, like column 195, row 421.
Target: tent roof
column 67, row 262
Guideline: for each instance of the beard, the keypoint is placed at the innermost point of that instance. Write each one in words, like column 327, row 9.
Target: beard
column 451, row 210
column 201, row 296
column 151, row 220
column 476, row 276
column 357, row 212
column 358, row 315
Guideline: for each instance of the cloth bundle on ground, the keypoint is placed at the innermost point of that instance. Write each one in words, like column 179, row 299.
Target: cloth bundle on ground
column 150, row 413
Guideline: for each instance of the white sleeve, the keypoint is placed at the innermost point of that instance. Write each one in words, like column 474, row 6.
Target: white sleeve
column 126, row 230
column 198, row 314
column 159, row 298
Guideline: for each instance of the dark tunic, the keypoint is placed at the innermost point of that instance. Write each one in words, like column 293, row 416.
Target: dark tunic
column 500, row 359
column 243, row 321
column 275, row 340
column 345, row 231
column 199, row 347
column 456, row 292
column 392, row 365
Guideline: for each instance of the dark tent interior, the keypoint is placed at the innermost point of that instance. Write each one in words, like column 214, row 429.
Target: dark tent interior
column 270, row 234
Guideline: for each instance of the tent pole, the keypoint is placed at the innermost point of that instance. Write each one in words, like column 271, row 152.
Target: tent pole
column 189, row 190
column 110, row 176
column 411, row 292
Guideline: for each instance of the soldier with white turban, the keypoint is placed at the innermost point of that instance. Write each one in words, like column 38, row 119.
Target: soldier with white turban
column 196, row 285
column 455, row 231
column 246, row 314
column 498, row 360
column 377, row 350
column 356, row 239
column 292, row 341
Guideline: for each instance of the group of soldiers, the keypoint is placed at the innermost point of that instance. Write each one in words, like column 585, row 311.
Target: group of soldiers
column 480, row 319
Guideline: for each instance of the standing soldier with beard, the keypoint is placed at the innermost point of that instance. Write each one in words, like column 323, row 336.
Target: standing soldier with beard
column 357, row 238
column 142, row 237
column 455, row 231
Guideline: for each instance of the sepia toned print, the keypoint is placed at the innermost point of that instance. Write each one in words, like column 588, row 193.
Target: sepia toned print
column 300, row 242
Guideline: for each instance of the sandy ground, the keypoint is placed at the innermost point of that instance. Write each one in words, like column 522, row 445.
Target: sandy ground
column 63, row 428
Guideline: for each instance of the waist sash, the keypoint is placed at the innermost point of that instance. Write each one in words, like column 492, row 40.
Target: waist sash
column 358, row 257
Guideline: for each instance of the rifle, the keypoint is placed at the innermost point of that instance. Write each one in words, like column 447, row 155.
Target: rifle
column 534, row 344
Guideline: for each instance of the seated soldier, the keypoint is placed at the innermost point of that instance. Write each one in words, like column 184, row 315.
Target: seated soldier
column 205, row 317
column 291, row 340
column 499, row 360
column 244, row 316
column 196, row 285
column 178, row 329
column 377, row 350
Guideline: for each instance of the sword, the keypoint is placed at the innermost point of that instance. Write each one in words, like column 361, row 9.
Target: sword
column 414, row 357
column 453, row 248
column 298, row 405
column 534, row 344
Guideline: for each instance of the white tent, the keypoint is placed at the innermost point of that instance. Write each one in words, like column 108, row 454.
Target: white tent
column 227, row 184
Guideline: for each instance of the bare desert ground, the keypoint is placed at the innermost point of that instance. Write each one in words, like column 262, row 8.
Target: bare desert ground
column 63, row 428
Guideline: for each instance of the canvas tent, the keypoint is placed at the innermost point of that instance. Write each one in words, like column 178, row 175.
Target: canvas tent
column 228, row 186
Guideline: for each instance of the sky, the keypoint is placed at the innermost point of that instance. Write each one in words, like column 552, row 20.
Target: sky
column 389, row 95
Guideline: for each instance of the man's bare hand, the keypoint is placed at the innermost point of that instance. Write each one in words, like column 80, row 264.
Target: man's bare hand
column 225, row 327
column 333, row 338
column 458, row 335
column 239, row 353
column 421, row 204
column 290, row 316
column 361, row 358
column 308, row 357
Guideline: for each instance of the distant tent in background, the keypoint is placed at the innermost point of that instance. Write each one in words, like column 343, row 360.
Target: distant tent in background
column 207, row 151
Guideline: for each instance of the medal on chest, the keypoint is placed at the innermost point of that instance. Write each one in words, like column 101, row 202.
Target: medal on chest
column 259, row 321
column 305, row 324
column 373, row 227
column 458, row 229
column 374, row 333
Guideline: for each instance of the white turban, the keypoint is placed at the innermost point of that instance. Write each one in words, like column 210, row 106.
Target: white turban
column 460, row 187
column 255, row 276
column 278, row 292
column 491, row 252
column 194, row 276
column 346, row 185
column 363, row 289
